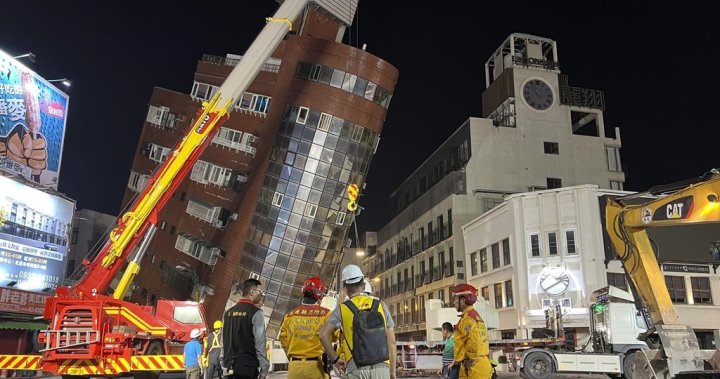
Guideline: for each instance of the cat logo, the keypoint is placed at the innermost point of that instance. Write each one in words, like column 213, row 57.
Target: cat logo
column 674, row 210
column 677, row 209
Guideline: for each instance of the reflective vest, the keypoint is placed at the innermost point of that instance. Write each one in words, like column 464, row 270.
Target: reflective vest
column 362, row 302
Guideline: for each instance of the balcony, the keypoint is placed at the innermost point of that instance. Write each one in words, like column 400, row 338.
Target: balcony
column 271, row 65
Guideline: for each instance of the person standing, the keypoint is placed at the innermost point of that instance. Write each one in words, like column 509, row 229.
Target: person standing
column 299, row 333
column 213, row 352
column 450, row 370
column 367, row 332
column 244, row 352
column 472, row 347
column 192, row 352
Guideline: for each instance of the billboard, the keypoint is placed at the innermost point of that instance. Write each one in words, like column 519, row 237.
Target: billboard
column 32, row 123
column 34, row 229
column 17, row 301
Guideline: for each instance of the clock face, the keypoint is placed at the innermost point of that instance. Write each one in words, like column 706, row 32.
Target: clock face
column 554, row 281
column 538, row 94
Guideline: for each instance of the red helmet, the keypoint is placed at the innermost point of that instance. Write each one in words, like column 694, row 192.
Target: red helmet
column 469, row 292
column 315, row 286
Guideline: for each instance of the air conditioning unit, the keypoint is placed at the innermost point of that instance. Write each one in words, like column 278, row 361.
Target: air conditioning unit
column 210, row 291
column 254, row 276
column 218, row 223
column 233, row 216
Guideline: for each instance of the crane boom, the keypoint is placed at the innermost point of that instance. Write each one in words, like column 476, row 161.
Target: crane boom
column 161, row 186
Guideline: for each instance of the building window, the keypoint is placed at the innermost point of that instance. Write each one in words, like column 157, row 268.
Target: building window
column 325, row 121
column 74, row 238
column 616, row 185
column 495, row 255
column 311, row 210
column 158, row 153
column 473, row 263
column 340, row 220
column 254, row 102
column 485, row 291
column 554, row 183
column 570, row 241
column 202, row 91
column 701, row 290
column 552, row 148
column 676, row 287
column 613, row 158
column 509, row 294
column 277, row 199
column 506, row 251
column 498, row 295
column 617, row 280
column 483, row 260
column 552, row 243
column 302, row 115
column 535, row 245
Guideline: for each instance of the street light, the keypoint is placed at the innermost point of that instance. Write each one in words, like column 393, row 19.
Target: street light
column 360, row 253
column 27, row 55
column 64, row 81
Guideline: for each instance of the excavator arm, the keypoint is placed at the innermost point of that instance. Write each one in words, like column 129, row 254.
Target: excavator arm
column 627, row 224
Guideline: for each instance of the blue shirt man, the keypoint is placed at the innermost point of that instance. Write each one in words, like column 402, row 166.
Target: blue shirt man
column 192, row 352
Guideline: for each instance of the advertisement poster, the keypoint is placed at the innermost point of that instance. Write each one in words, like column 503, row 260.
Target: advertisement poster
column 34, row 229
column 32, row 123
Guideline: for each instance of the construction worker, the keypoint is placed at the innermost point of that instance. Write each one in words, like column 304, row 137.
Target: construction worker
column 341, row 349
column 299, row 333
column 213, row 348
column 192, row 352
column 373, row 360
column 472, row 347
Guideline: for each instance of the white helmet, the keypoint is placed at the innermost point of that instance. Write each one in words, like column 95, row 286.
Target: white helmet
column 368, row 287
column 195, row 333
column 352, row 274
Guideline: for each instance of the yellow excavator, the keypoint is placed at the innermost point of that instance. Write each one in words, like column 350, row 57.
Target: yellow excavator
column 674, row 351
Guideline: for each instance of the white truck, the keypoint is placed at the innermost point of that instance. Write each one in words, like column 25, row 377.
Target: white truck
column 615, row 325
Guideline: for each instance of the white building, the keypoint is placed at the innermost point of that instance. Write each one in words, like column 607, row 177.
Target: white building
column 537, row 132
column 88, row 229
column 540, row 247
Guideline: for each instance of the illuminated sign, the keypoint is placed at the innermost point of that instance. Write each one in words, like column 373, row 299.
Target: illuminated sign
column 686, row 268
column 33, row 236
column 32, row 123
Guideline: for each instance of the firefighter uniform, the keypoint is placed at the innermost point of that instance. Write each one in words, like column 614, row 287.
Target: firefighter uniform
column 299, row 338
column 472, row 347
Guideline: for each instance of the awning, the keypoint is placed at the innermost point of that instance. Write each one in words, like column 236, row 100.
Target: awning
column 23, row 325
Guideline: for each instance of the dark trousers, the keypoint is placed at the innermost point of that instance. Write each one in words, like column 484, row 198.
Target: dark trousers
column 214, row 368
column 245, row 372
column 451, row 372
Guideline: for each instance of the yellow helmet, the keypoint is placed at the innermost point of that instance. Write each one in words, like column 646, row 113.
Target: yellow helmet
column 217, row 324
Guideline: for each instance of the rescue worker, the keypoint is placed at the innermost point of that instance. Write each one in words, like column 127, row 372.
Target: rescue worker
column 341, row 350
column 299, row 333
column 193, row 354
column 244, row 350
column 342, row 317
column 472, row 347
column 213, row 349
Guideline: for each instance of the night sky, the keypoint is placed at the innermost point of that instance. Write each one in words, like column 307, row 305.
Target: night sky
column 658, row 67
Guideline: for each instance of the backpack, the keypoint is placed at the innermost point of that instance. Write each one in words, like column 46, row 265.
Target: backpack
column 369, row 335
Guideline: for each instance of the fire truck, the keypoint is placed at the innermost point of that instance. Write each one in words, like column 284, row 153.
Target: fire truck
column 96, row 333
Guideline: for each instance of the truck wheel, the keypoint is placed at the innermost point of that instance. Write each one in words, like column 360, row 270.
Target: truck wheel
column 629, row 365
column 538, row 365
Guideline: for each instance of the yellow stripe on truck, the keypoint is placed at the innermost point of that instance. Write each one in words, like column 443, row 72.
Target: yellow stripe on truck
column 19, row 362
column 137, row 321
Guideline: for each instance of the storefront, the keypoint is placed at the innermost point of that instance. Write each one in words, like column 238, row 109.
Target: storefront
column 18, row 324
